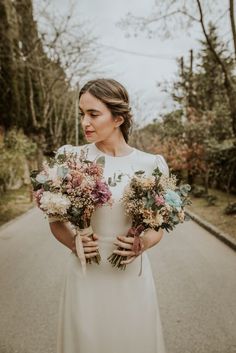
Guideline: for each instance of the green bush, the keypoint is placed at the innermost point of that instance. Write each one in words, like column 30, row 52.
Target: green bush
column 198, row 191
column 230, row 209
column 15, row 152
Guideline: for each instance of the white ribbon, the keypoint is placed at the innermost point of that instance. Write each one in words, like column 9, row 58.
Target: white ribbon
column 79, row 233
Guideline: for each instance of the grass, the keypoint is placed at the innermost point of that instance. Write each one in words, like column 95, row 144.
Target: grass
column 215, row 214
column 13, row 203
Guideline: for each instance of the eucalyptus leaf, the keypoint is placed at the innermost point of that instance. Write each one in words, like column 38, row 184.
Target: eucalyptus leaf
column 35, row 184
column 74, row 212
column 111, row 182
column 34, row 173
column 139, row 172
column 184, row 189
column 156, row 172
column 46, row 187
column 41, row 178
column 62, row 171
column 101, row 161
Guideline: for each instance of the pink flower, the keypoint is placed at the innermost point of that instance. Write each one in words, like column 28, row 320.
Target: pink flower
column 101, row 193
column 37, row 195
column 68, row 177
column 159, row 200
column 94, row 170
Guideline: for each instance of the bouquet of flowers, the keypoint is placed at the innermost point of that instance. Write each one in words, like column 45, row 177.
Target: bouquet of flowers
column 69, row 188
column 152, row 202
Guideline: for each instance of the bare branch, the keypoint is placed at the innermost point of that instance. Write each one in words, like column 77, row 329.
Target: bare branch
column 232, row 22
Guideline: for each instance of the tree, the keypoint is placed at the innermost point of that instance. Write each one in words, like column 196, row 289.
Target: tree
column 182, row 14
column 40, row 73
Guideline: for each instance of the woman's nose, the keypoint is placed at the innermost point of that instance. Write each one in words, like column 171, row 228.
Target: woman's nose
column 86, row 120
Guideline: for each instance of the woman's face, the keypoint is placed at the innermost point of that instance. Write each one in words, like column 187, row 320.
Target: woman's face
column 96, row 119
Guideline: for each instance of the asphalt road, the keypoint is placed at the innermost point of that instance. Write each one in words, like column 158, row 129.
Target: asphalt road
column 195, row 276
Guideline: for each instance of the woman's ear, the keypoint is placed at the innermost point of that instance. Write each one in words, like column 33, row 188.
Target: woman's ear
column 119, row 120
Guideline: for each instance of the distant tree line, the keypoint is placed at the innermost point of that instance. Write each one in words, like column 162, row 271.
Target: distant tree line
column 40, row 73
column 37, row 72
column 198, row 137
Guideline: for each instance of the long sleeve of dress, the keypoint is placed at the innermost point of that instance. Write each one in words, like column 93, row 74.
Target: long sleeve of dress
column 160, row 162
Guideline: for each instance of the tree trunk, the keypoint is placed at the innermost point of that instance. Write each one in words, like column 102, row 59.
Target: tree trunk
column 232, row 22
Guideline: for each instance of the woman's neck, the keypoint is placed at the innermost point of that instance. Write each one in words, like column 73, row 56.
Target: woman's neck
column 114, row 148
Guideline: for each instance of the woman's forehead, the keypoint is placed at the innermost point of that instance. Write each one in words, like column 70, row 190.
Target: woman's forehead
column 89, row 102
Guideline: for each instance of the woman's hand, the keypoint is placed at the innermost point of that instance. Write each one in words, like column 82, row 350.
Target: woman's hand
column 90, row 245
column 126, row 243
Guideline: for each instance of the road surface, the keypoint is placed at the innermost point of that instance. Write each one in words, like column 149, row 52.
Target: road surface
column 195, row 276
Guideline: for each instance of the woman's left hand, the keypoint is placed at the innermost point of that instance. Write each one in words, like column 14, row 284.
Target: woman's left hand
column 126, row 243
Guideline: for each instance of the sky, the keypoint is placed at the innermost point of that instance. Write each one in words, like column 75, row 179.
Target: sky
column 149, row 61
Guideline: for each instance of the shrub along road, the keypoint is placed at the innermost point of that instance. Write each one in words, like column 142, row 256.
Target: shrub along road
column 194, row 274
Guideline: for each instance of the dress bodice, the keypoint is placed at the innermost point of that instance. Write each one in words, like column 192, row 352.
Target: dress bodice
column 110, row 221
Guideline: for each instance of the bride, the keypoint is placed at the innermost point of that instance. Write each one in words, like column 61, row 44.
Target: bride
column 109, row 310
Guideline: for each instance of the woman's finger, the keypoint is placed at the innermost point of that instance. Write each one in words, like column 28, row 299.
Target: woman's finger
column 124, row 252
column 123, row 245
column 128, row 240
column 90, row 249
column 91, row 243
column 85, row 238
column 95, row 236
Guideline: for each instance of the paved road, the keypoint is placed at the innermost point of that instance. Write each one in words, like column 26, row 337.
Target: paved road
column 195, row 276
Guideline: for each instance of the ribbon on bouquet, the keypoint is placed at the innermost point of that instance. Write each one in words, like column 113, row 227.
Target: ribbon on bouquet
column 79, row 233
column 137, row 246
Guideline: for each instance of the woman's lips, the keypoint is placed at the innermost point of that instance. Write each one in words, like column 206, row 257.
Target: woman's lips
column 88, row 133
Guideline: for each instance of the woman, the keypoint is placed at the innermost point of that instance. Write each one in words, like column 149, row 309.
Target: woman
column 108, row 310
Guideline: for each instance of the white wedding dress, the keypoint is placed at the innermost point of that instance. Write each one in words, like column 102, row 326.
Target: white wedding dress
column 111, row 310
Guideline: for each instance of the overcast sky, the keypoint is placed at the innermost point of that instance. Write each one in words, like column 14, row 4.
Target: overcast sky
column 138, row 73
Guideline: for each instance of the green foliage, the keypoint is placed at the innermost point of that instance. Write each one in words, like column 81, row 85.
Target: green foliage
column 15, row 150
column 211, row 199
column 17, row 141
column 198, row 190
column 197, row 138
column 230, row 209
column 101, row 161
column 35, row 93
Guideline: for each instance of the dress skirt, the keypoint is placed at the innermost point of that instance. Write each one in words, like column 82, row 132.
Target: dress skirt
column 109, row 310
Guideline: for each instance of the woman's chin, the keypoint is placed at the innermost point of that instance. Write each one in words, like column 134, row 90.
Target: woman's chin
column 90, row 138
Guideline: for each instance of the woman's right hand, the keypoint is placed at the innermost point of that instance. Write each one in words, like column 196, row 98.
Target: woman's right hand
column 90, row 245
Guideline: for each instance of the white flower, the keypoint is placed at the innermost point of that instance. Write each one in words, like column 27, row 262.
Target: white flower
column 181, row 216
column 54, row 203
column 159, row 219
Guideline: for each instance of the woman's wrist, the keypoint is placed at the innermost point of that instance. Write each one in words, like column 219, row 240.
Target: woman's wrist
column 63, row 233
column 150, row 238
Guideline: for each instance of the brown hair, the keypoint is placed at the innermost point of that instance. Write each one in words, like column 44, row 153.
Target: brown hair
column 115, row 97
